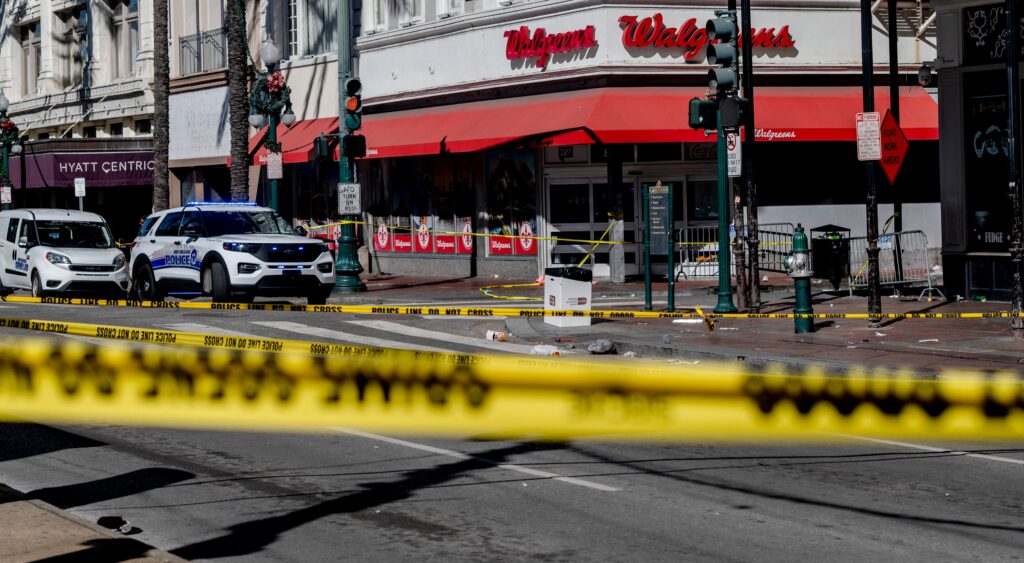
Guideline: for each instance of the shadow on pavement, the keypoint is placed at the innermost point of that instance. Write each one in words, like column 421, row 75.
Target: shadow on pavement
column 251, row 537
column 126, row 484
column 21, row 440
column 744, row 489
column 107, row 550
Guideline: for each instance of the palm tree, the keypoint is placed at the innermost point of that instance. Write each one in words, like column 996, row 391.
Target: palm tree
column 238, row 100
column 161, row 117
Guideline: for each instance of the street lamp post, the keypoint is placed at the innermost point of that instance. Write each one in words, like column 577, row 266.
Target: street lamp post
column 269, row 96
column 9, row 144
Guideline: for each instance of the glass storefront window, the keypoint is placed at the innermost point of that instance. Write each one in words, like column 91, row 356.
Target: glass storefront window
column 986, row 161
column 570, row 203
column 702, row 204
column 512, row 190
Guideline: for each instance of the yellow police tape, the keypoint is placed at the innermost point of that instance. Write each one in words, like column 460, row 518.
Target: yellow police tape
column 486, row 311
column 76, row 382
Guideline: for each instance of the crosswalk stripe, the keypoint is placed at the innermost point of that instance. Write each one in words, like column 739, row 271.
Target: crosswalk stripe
column 345, row 336
column 205, row 329
column 443, row 336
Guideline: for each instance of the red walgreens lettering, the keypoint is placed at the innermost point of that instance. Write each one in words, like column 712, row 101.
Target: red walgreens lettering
column 693, row 40
column 521, row 45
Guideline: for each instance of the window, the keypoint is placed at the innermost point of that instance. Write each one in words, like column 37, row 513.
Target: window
column 147, row 224
column 292, row 28
column 27, row 234
column 411, row 12
column 143, row 127
column 124, row 43
column 169, row 226
column 78, row 234
column 321, row 27
column 116, row 130
column 30, row 55
column 448, row 8
column 89, row 132
column 378, row 15
column 512, row 193
column 74, row 46
column 12, row 230
column 192, row 225
column 42, row 136
column 220, row 223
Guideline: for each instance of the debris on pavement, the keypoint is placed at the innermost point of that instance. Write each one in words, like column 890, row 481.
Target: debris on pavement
column 928, row 340
column 497, row 335
column 687, row 321
column 630, row 354
column 601, row 346
column 545, row 350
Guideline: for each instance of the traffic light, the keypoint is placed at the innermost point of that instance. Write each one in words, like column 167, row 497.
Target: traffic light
column 702, row 113
column 732, row 109
column 353, row 146
column 723, row 30
column 353, row 104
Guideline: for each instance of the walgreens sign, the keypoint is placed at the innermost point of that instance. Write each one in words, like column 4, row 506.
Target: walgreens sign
column 521, row 44
column 652, row 31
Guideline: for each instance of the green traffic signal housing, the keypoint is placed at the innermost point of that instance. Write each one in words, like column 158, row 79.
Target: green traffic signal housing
column 723, row 31
column 353, row 89
column 702, row 113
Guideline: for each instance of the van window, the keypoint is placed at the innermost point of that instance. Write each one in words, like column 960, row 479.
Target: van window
column 28, row 232
column 77, row 234
column 12, row 231
column 169, row 226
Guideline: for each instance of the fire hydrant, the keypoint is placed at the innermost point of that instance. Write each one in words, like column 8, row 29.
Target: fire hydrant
column 799, row 265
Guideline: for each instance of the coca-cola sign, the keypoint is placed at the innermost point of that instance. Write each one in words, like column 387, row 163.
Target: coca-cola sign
column 521, row 44
column 692, row 40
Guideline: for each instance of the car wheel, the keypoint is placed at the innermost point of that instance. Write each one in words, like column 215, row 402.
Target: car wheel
column 219, row 284
column 319, row 296
column 37, row 286
column 144, row 283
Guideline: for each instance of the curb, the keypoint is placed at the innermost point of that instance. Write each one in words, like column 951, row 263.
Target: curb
column 101, row 545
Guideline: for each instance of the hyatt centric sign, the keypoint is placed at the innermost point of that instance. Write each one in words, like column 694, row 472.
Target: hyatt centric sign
column 59, row 170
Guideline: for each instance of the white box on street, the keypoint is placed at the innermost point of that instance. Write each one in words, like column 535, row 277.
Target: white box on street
column 567, row 289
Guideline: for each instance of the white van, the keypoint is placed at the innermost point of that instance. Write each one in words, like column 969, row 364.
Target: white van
column 56, row 250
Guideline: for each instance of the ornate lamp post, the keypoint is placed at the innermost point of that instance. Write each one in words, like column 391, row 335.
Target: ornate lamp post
column 9, row 143
column 269, row 96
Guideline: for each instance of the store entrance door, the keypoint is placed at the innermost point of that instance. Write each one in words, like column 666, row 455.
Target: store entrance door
column 578, row 210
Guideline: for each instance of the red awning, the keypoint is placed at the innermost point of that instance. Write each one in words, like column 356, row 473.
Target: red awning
column 609, row 115
column 296, row 141
column 824, row 113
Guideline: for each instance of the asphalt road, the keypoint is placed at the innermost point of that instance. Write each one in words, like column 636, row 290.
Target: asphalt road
column 341, row 495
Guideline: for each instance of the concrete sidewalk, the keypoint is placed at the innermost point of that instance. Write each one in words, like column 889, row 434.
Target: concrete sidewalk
column 926, row 345
column 36, row 531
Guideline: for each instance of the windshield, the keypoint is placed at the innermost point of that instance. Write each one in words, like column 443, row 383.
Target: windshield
column 74, row 234
column 219, row 223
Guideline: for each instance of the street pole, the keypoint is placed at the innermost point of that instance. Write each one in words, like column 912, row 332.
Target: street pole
column 1013, row 136
column 725, row 304
column 874, row 289
column 346, row 268
column 894, row 108
column 648, row 304
column 750, row 136
column 272, row 137
column 671, row 254
column 742, row 288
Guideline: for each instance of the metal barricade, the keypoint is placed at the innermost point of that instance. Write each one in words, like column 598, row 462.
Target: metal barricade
column 698, row 252
column 902, row 261
column 698, row 249
column 775, row 243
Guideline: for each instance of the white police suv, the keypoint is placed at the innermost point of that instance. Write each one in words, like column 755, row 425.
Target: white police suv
column 232, row 252
column 59, row 251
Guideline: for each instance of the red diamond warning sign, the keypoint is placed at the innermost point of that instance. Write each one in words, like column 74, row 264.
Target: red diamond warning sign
column 894, row 147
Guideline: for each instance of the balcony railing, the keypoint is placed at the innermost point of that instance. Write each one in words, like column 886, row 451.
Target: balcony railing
column 203, row 51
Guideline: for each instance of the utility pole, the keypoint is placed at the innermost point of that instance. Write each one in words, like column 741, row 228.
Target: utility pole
column 750, row 136
column 347, row 268
column 1013, row 138
column 867, row 58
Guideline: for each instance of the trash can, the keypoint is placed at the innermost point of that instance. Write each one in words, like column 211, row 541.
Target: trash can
column 830, row 253
column 567, row 289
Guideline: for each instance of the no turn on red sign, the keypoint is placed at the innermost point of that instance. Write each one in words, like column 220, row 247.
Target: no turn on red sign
column 894, row 147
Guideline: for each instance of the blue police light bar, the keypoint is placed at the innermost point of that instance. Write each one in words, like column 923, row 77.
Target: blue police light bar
column 222, row 203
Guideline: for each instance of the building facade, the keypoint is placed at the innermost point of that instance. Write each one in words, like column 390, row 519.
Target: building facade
column 79, row 77
column 509, row 119
column 976, row 211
